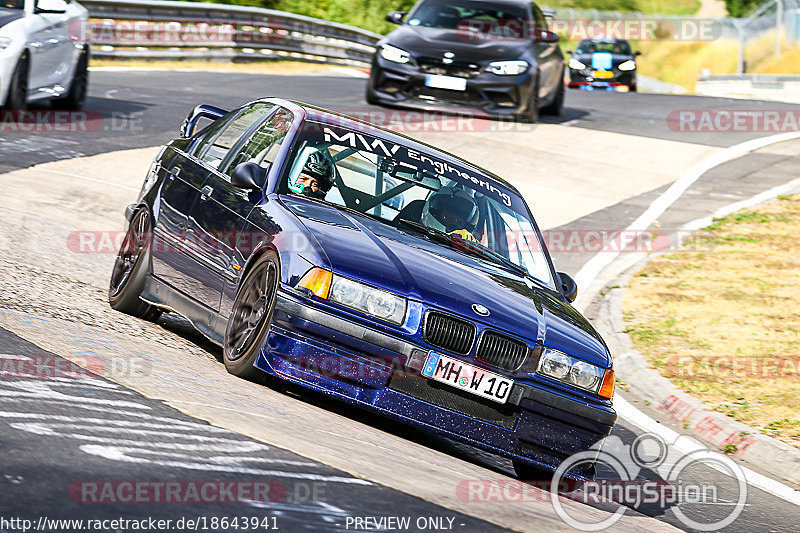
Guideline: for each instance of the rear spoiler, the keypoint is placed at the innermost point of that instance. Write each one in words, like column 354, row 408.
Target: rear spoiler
column 202, row 111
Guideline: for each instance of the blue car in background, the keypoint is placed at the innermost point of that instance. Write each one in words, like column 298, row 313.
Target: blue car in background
column 373, row 268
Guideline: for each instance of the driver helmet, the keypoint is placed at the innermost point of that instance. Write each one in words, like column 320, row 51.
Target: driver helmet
column 449, row 210
column 320, row 168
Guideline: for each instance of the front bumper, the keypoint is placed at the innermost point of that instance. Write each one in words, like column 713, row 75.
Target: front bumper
column 585, row 77
column 357, row 364
column 403, row 85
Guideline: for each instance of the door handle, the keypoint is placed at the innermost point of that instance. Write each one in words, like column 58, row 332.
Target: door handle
column 174, row 172
column 206, row 191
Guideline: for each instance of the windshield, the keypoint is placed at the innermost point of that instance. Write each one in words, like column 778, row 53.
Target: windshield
column 12, row 4
column 416, row 193
column 589, row 46
column 449, row 13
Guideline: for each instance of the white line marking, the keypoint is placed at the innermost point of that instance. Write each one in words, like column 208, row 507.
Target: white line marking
column 642, row 421
column 786, row 188
column 87, row 178
column 111, row 452
column 10, row 357
column 596, row 264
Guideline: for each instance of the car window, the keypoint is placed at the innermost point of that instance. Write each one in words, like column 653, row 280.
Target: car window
column 13, row 4
column 450, row 13
column 221, row 139
column 538, row 18
column 396, row 185
column 588, row 46
column 264, row 144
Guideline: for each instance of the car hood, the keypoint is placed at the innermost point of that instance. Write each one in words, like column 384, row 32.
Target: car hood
column 9, row 15
column 382, row 256
column 434, row 42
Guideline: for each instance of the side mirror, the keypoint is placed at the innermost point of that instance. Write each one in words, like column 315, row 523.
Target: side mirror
column 56, row 7
column 568, row 286
column 637, row 53
column 248, row 176
column 547, row 36
column 396, row 17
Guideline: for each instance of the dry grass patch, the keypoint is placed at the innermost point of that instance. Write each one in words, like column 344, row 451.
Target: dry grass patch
column 724, row 323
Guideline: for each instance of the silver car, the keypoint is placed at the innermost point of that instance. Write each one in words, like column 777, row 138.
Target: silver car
column 44, row 53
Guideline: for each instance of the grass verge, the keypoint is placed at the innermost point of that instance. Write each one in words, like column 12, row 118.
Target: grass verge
column 722, row 320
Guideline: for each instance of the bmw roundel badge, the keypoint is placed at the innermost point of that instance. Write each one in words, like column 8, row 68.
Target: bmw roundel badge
column 480, row 309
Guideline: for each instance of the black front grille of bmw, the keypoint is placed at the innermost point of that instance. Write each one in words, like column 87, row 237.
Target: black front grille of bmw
column 430, row 65
column 501, row 351
column 448, row 333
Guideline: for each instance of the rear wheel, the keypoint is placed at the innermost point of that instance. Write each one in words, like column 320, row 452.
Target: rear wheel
column 370, row 96
column 130, row 270
column 251, row 317
column 17, row 99
column 76, row 97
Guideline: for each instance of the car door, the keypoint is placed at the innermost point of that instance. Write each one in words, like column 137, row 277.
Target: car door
column 183, row 176
column 218, row 214
column 546, row 55
column 48, row 42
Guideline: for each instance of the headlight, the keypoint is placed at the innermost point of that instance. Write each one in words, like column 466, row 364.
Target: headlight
column 576, row 65
column 394, row 54
column 5, row 42
column 575, row 372
column 508, row 68
column 350, row 293
column 628, row 65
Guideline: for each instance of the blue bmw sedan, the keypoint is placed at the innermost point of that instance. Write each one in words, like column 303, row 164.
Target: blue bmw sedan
column 381, row 271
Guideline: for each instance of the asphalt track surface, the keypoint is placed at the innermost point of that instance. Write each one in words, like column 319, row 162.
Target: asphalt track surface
column 40, row 456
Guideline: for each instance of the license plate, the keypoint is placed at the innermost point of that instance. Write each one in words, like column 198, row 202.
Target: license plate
column 603, row 74
column 467, row 377
column 446, row 82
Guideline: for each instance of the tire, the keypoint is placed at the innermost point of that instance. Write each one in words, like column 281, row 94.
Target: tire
column 17, row 99
column 370, row 94
column 251, row 317
column 76, row 97
column 131, row 268
column 556, row 107
column 531, row 115
column 632, row 88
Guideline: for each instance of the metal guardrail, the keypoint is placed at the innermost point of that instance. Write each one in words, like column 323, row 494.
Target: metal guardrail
column 156, row 29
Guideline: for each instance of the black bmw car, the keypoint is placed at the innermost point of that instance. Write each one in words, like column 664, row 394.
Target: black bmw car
column 495, row 56
column 603, row 63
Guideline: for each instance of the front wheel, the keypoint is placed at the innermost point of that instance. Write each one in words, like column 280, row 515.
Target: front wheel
column 251, row 317
column 556, row 108
column 130, row 270
column 17, row 99
column 531, row 115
